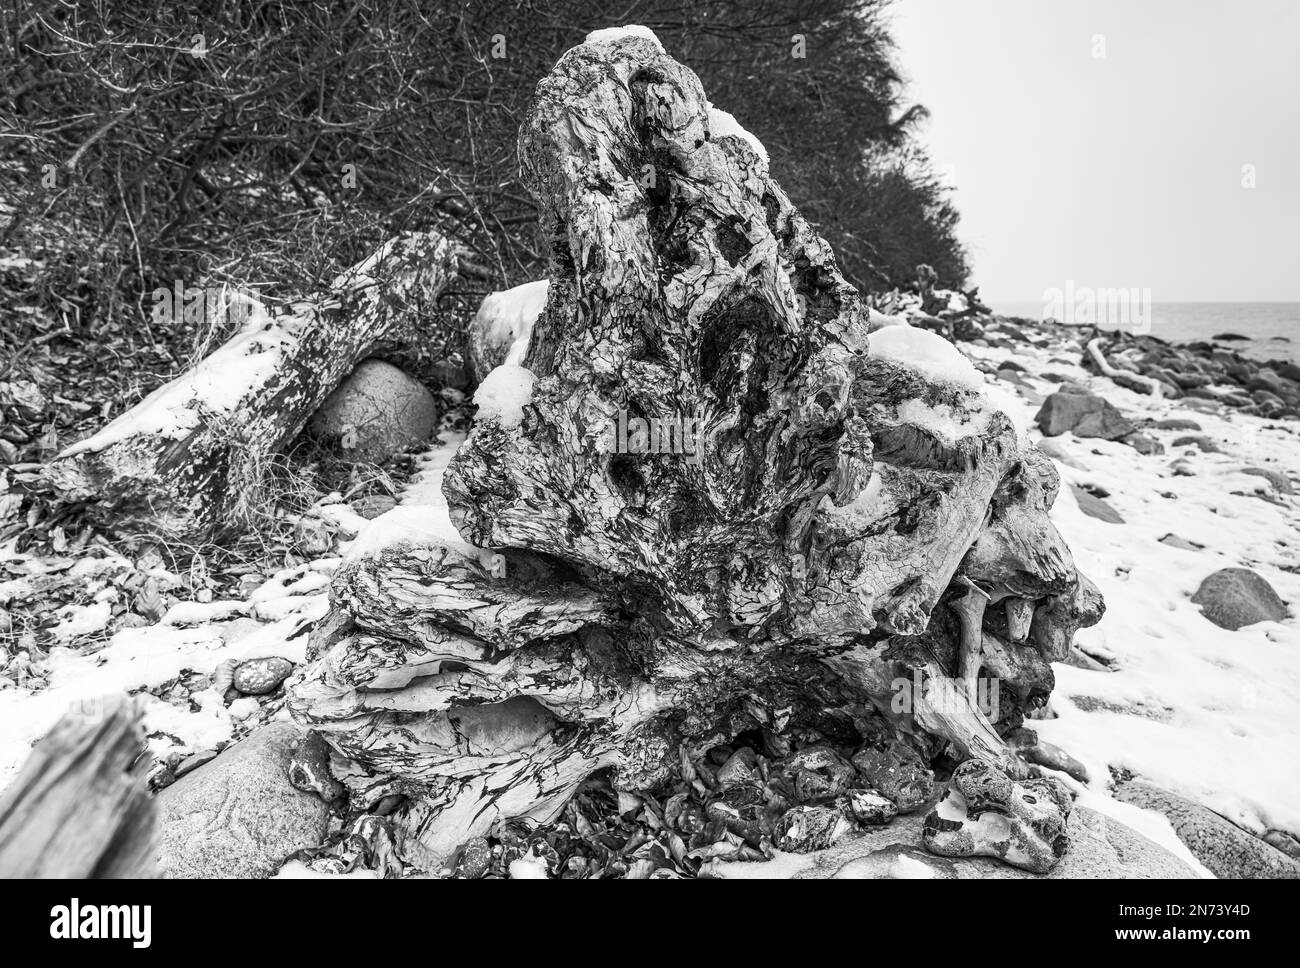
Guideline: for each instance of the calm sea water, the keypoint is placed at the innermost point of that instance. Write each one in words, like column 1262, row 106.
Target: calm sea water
column 1273, row 328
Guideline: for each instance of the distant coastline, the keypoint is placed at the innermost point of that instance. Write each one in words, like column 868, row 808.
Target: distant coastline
column 1272, row 329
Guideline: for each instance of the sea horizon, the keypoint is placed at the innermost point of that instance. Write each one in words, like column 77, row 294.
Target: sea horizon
column 1271, row 328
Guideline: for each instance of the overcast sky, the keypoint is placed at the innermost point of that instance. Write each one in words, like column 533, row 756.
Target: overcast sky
column 1122, row 170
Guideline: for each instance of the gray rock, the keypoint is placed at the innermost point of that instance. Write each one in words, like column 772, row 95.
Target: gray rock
column 740, row 769
column 1232, row 598
column 1084, row 413
column 1095, row 507
column 1281, row 483
column 805, row 829
column 309, row 769
column 1099, row 848
column 373, row 505
column 870, row 807
column 1176, row 423
column 1144, row 444
column 238, row 816
column 1222, row 846
column 473, row 861
column 897, row 771
column 1174, row 541
column 1202, row 443
column 1284, row 842
column 1192, row 381
column 375, row 413
column 816, row 773
column 257, row 677
column 1054, row 758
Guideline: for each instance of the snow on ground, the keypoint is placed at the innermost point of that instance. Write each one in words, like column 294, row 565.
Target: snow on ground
column 141, row 658
column 1205, row 712
column 421, row 516
column 198, row 636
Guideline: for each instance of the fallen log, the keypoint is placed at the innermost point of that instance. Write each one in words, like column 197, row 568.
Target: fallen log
column 179, row 462
column 80, row 807
column 704, row 497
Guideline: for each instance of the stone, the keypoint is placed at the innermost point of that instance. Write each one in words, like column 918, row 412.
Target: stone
column 1289, row 371
column 817, row 773
column 871, row 807
column 897, row 771
column 373, row 505
column 1176, row 423
column 1054, row 758
column 1144, row 444
column 1266, row 379
column 1204, row 444
column 740, row 769
column 1230, row 338
column 1284, row 842
column 473, row 860
column 806, row 828
column 987, row 814
column 1084, row 413
column 1174, row 541
column 309, row 769
column 377, row 412
column 257, row 677
column 1223, row 847
column 193, row 762
column 1192, row 381
column 1095, row 507
column 1232, row 598
column 239, row 816
column 1281, row 483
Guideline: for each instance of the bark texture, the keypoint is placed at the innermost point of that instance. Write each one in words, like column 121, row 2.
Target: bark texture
column 179, row 461
column 80, row 807
column 825, row 551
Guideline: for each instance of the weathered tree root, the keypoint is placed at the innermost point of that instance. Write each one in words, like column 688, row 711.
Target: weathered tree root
column 807, row 558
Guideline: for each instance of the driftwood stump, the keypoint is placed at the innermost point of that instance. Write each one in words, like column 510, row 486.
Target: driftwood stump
column 80, row 807
column 828, row 523
column 177, row 462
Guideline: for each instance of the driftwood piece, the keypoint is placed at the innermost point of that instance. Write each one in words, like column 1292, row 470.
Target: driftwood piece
column 797, row 548
column 79, row 807
column 178, row 461
column 1133, row 381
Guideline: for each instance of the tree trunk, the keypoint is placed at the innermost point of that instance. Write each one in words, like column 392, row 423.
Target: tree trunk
column 798, row 551
column 179, row 461
column 80, row 807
